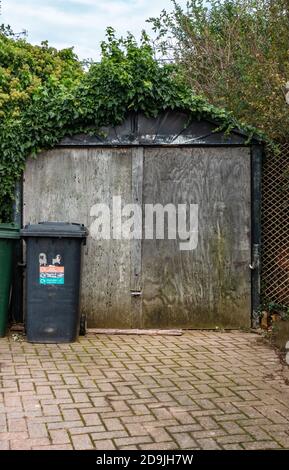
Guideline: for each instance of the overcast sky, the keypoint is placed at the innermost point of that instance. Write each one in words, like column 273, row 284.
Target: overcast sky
column 80, row 23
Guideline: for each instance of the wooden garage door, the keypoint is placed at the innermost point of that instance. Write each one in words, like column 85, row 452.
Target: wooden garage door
column 210, row 286
column 64, row 185
column 151, row 283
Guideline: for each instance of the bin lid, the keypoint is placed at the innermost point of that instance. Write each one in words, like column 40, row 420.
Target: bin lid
column 9, row 231
column 55, row 230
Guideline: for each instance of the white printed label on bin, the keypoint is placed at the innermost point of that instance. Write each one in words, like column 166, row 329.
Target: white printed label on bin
column 50, row 273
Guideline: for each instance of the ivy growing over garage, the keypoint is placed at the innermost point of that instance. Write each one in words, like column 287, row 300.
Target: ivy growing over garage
column 45, row 95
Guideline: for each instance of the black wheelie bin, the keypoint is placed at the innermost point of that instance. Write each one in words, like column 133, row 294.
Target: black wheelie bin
column 53, row 260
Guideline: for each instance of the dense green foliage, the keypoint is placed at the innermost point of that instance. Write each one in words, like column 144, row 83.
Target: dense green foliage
column 48, row 106
column 29, row 75
column 24, row 68
column 235, row 54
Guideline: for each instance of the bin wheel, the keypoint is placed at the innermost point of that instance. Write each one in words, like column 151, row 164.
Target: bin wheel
column 82, row 326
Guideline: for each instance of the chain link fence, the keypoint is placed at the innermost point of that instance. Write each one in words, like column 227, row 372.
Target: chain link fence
column 275, row 229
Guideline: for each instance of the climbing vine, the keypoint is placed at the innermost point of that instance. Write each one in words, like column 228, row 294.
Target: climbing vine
column 50, row 105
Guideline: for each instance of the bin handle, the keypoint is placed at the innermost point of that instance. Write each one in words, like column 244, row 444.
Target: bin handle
column 21, row 265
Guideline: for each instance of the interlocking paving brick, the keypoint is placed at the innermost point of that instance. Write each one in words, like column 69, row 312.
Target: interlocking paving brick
column 282, row 438
column 9, row 436
column 36, row 429
column 184, row 441
column 130, row 447
column 208, row 444
column 113, row 424
column 184, row 428
column 138, row 419
column 234, row 439
column 4, row 445
column 136, row 429
column 20, row 445
column 23, row 444
column 54, row 447
column 91, row 419
column 108, row 435
column 232, row 447
column 158, row 433
column 51, row 409
column 86, row 429
column 263, row 445
column 82, row 442
column 123, row 441
column 202, row 390
column 59, row 437
column 104, row 444
column 53, row 424
column 70, row 415
column 232, row 428
column 207, row 422
column 258, row 433
column 16, row 425
column 207, row 433
column 158, row 446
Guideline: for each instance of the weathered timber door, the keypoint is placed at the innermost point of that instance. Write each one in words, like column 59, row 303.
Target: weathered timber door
column 209, row 286
column 150, row 282
column 64, row 185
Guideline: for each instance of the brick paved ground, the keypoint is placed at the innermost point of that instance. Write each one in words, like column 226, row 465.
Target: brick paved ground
column 203, row 390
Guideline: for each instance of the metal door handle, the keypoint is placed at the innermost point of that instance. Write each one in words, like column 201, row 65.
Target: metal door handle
column 135, row 293
column 256, row 259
